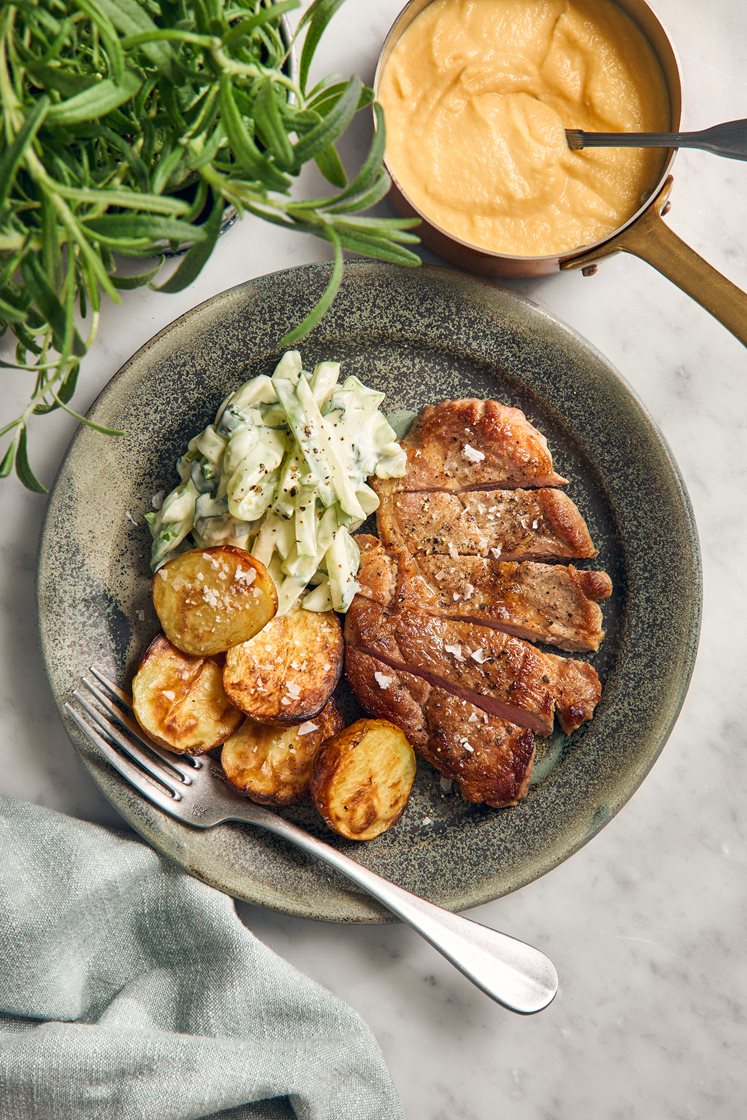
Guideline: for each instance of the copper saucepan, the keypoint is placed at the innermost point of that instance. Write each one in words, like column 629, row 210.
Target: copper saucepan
column 644, row 235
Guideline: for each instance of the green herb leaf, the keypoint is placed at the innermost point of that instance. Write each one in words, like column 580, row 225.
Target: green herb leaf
column 330, row 165
column 50, row 306
column 242, row 144
column 95, row 102
column 196, row 257
column 6, row 465
column 325, row 301
column 270, row 125
column 241, row 31
column 11, row 158
column 148, row 227
column 330, row 127
column 126, row 283
column 131, row 18
column 23, row 468
column 108, row 32
column 315, row 19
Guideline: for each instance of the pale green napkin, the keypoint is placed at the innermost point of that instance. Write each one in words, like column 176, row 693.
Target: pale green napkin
column 131, row 991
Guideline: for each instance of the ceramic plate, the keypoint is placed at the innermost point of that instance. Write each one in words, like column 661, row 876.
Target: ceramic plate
column 420, row 336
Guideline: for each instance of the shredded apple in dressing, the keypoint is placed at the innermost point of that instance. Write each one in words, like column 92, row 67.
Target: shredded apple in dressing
column 477, row 96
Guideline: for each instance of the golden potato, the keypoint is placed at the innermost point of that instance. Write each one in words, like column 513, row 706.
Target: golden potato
column 287, row 673
column 179, row 700
column 273, row 764
column 362, row 777
column 210, row 599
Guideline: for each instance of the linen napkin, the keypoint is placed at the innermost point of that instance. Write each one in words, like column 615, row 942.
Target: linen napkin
column 128, row 989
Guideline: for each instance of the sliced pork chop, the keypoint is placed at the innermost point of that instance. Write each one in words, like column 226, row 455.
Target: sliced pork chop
column 502, row 675
column 541, row 524
column 509, row 683
column 473, row 445
column 490, row 760
column 551, row 603
column 556, row 604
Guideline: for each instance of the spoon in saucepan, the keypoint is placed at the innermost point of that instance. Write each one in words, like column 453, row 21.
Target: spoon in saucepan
column 729, row 139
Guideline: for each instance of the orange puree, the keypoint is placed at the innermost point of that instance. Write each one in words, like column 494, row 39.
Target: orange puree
column 477, row 95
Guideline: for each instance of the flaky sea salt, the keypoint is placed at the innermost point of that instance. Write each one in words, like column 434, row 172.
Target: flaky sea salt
column 472, row 454
column 479, row 655
column 307, row 728
column 456, row 650
column 382, row 680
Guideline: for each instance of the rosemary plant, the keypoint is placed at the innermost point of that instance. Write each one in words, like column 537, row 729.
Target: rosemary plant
column 129, row 126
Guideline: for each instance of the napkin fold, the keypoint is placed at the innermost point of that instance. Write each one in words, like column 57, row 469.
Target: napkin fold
column 128, row 990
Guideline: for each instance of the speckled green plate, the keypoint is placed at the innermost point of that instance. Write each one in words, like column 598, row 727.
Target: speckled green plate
column 420, row 336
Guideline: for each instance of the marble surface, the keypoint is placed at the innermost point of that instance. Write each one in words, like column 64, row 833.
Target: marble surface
column 646, row 925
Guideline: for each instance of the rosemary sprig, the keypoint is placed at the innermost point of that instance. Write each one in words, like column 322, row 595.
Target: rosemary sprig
column 128, row 127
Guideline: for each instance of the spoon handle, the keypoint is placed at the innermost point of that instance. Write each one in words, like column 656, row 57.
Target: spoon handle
column 729, row 139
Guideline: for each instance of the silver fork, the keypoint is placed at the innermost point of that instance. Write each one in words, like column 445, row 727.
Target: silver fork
column 193, row 790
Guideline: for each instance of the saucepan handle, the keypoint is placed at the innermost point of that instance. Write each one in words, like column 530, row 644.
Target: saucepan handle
column 651, row 239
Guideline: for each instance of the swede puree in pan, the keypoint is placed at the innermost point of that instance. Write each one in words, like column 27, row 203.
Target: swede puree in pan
column 477, row 96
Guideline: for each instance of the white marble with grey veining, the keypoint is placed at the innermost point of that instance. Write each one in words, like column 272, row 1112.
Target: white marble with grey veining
column 648, row 924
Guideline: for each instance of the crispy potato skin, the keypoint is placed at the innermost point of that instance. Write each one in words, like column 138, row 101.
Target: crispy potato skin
column 210, row 599
column 179, row 700
column 287, row 673
column 362, row 777
column 272, row 765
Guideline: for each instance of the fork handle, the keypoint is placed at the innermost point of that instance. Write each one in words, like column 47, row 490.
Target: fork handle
column 728, row 139
column 511, row 972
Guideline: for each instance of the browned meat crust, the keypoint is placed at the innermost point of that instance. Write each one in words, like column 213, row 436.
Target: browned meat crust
column 506, row 524
column 471, row 445
column 490, row 760
column 551, row 603
column 502, row 675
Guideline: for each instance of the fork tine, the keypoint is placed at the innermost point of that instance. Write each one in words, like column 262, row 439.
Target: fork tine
column 111, row 687
column 180, row 764
column 575, row 139
column 137, row 778
column 146, row 763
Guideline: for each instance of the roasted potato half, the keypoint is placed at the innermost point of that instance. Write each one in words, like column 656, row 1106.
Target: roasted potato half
column 362, row 777
column 287, row 673
column 210, row 599
column 179, row 700
column 273, row 764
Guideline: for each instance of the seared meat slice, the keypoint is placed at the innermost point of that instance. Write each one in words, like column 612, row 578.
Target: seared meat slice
column 490, row 760
column 551, row 603
column 508, row 683
column 473, row 445
column 502, row 675
column 510, row 524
